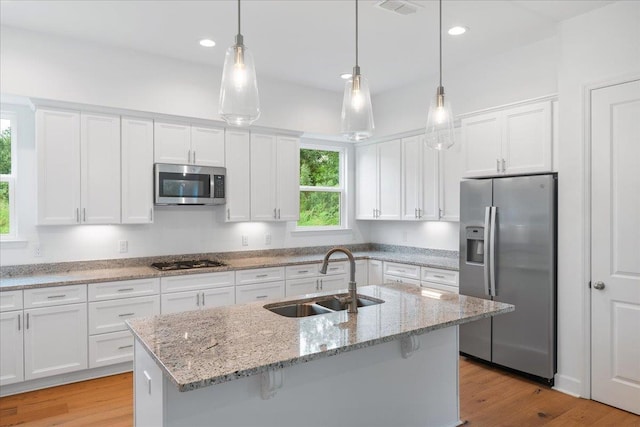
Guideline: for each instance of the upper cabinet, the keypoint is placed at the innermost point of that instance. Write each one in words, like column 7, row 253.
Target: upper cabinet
column 78, row 167
column 419, row 180
column 515, row 140
column 238, row 178
column 185, row 144
column 137, row 171
column 275, row 178
column 378, row 180
column 450, row 174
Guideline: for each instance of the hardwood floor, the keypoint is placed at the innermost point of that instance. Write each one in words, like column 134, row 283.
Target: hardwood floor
column 488, row 397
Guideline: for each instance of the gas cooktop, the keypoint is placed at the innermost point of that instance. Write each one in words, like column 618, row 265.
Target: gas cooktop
column 187, row 264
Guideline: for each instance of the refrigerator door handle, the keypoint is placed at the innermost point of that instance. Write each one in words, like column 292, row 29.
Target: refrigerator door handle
column 492, row 254
column 487, row 253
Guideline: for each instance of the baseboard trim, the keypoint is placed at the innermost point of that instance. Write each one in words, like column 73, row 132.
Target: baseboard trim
column 72, row 377
column 568, row 385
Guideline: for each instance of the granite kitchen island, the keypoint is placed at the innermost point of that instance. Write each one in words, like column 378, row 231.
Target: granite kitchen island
column 393, row 363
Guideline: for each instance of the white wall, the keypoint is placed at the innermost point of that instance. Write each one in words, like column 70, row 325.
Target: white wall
column 68, row 70
column 426, row 234
column 595, row 47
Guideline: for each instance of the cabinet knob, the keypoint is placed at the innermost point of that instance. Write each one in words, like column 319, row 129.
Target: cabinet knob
column 599, row 285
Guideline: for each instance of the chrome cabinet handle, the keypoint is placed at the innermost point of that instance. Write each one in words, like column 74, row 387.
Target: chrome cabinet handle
column 303, row 271
column 27, row 320
column 194, row 156
column 126, row 314
column 419, row 213
column 321, row 283
column 504, row 167
column 84, row 214
column 56, row 296
column 261, row 296
column 18, row 322
column 317, row 284
column 261, row 275
column 274, row 213
column 278, row 213
column 203, row 299
column 77, row 215
column 122, row 347
column 599, row 285
column 125, row 290
column 228, row 214
column 151, row 214
column 438, row 276
column 189, row 156
column 198, row 299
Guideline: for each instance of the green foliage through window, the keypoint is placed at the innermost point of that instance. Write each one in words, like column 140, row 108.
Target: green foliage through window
column 320, row 195
column 4, row 208
column 5, row 148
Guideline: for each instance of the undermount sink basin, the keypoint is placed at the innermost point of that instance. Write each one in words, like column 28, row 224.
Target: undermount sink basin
column 321, row 305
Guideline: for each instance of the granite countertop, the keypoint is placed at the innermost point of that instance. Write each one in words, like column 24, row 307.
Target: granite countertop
column 202, row 348
column 37, row 279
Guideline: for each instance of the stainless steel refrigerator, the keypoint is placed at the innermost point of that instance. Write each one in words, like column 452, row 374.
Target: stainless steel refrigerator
column 508, row 254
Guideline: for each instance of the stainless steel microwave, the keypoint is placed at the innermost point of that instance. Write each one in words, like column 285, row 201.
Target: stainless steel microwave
column 189, row 184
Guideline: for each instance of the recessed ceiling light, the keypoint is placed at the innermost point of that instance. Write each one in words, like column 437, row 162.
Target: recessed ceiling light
column 207, row 43
column 345, row 76
column 457, row 30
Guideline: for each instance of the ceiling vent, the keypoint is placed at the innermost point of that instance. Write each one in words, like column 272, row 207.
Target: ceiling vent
column 401, row 7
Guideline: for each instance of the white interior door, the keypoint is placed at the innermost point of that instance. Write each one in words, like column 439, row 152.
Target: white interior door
column 615, row 246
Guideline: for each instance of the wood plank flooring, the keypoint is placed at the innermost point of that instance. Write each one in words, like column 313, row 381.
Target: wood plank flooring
column 488, row 398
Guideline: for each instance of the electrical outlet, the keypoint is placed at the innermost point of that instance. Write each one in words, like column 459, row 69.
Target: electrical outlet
column 267, row 239
column 123, row 246
column 37, row 250
column 245, row 240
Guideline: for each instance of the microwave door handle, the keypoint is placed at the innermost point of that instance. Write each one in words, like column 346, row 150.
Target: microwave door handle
column 492, row 257
column 487, row 253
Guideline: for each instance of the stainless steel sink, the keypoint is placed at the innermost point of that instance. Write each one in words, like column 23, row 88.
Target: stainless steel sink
column 321, row 305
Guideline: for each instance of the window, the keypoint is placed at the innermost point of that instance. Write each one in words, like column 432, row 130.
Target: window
column 322, row 194
column 8, row 229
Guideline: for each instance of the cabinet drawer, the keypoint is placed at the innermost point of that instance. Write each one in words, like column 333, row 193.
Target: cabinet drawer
column 445, row 277
column 402, row 270
column 302, row 286
column 257, row 275
column 440, row 287
column 259, row 292
column 109, row 316
column 302, row 271
column 397, row 279
column 193, row 282
column 338, row 267
column 10, row 300
column 58, row 295
column 123, row 289
column 109, row 349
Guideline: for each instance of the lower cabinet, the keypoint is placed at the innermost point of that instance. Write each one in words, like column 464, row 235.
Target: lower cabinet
column 401, row 273
column 259, row 292
column 307, row 279
column 443, row 280
column 374, row 272
column 55, row 340
column 111, row 348
column 195, row 300
column 11, row 348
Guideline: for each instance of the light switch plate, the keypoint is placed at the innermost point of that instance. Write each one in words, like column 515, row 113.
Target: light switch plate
column 123, row 246
column 245, row 240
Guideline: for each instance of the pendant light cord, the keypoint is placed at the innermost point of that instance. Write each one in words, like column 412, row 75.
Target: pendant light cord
column 239, row 17
column 440, row 38
column 356, row 33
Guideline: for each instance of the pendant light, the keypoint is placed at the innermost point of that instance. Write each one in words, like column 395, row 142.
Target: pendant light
column 239, row 103
column 357, row 114
column 439, row 133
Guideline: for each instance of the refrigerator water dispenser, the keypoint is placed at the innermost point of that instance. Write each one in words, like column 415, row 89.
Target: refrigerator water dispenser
column 475, row 245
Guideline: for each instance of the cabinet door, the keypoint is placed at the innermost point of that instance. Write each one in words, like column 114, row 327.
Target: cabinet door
column 207, row 146
column 218, row 297
column 180, row 301
column 58, row 152
column 171, row 143
column 55, row 340
column 375, row 272
column 450, row 177
column 362, row 273
column 308, row 285
column 11, row 350
column 137, row 171
column 526, row 141
column 109, row 349
column 412, row 181
column 100, row 168
column 288, row 178
column 333, row 283
column 259, row 292
column 238, row 178
column 366, row 181
column 263, row 178
column 429, row 210
column 389, row 182
column 481, row 144
column 109, row 316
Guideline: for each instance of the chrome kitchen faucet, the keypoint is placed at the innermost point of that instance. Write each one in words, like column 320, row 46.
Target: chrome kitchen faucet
column 351, row 299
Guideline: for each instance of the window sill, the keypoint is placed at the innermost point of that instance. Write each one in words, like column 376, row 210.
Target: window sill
column 13, row 242
column 310, row 231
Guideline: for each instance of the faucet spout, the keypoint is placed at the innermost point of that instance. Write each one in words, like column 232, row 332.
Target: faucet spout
column 353, row 300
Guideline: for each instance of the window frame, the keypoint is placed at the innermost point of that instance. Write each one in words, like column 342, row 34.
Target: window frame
column 342, row 188
column 11, row 179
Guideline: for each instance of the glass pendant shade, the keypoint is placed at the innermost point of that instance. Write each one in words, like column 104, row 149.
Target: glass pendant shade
column 357, row 113
column 439, row 132
column 239, row 101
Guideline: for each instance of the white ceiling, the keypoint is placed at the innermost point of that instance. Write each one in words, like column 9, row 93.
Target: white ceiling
column 309, row 42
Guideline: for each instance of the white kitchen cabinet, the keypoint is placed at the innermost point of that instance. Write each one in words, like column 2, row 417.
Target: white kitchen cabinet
column 450, row 176
column 303, row 286
column 181, row 143
column 11, row 348
column 137, row 170
column 436, row 278
column 110, row 316
column 78, row 167
column 378, row 181
column 10, row 301
column 515, row 140
column 238, row 178
column 200, row 281
column 260, row 292
column 55, row 340
column 110, row 349
column 333, row 283
column 395, row 272
column 178, row 302
column 306, row 278
column 419, row 180
column 123, row 289
column 362, row 273
column 275, row 178
column 374, row 272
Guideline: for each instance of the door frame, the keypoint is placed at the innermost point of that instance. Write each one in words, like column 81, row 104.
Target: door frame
column 586, row 244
